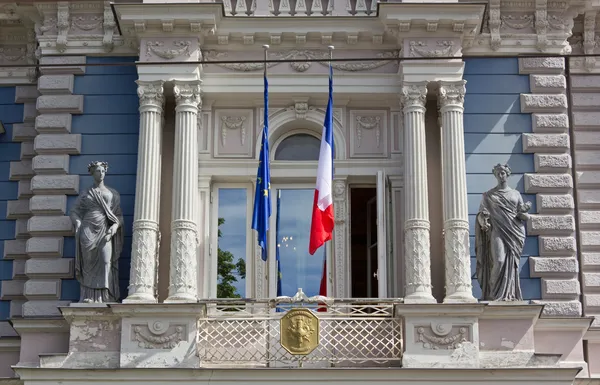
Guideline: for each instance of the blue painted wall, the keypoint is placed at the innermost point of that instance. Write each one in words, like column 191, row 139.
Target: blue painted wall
column 494, row 126
column 109, row 127
column 10, row 113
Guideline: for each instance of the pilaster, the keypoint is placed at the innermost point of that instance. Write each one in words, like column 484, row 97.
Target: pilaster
column 457, row 254
column 184, row 226
column 552, row 182
column 341, row 262
column 146, row 234
column 416, row 206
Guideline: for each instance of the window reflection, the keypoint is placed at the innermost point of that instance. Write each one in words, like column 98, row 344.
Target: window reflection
column 299, row 269
column 231, row 265
column 298, row 147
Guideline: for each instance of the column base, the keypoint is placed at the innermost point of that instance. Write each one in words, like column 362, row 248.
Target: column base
column 419, row 297
column 460, row 297
column 140, row 298
column 181, row 298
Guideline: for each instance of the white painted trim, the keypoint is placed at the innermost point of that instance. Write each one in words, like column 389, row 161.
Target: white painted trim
column 211, row 274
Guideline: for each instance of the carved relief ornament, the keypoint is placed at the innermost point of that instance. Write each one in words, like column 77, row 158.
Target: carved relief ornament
column 443, row 48
column 151, row 93
column 158, row 48
column 452, row 93
column 233, row 123
column 187, row 93
column 414, row 95
column 368, row 123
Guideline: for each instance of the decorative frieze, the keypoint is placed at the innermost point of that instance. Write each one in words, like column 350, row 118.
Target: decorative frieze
column 556, row 264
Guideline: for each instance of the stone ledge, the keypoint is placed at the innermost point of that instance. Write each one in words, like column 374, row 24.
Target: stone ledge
column 552, row 163
column 560, row 308
column 60, row 103
column 591, row 280
column 36, row 268
column 23, row 132
column 541, row 65
column 53, row 123
column 50, row 225
column 69, row 65
column 20, row 170
column 42, row 289
column 57, row 144
column 24, row 94
column 14, row 249
column 590, row 238
column 551, row 203
column 550, row 122
column 56, row 84
column 48, row 204
column 56, row 185
column 27, row 151
column 558, row 143
column 539, row 103
column 553, row 267
column 43, row 308
column 21, row 229
column 17, row 209
column 551, row 224
column 13, row 289
column 548, row 183
column 547, row 83
column 51, row 164
column 24, row 189
column 45, row 247
column 558, row 246
column 559, row 288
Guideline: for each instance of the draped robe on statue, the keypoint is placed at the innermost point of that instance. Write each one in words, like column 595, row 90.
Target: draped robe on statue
column 499, row 249
column 96, row 260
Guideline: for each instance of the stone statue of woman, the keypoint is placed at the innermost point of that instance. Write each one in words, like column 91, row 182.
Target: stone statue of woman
column 499, row 239
column 98, row 222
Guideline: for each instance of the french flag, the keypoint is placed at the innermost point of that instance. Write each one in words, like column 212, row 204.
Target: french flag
column 321, row 228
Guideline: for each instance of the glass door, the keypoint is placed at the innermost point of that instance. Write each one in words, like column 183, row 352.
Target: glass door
column 290, row 265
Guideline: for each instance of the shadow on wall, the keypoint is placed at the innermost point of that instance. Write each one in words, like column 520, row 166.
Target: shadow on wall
column 109, row 128
column 494, row 126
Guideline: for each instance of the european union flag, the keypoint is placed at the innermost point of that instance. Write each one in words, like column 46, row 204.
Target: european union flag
column 262, row 196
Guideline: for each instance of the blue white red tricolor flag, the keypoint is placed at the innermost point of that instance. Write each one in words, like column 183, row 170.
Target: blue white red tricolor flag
column 321, row 228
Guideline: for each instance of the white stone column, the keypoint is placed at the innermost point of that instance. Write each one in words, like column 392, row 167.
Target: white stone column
column 416, row 205
column 456, row 214
column 184, row 227
column 146, row 236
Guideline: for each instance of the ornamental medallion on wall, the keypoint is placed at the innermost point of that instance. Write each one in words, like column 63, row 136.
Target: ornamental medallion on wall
column 299, row 331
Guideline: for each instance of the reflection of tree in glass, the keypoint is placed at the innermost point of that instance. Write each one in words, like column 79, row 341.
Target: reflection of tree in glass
column 227, row 269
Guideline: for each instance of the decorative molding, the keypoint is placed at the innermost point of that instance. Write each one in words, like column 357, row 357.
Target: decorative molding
column 180, row 48
column 341, row 259
column 158, row 334
column 442, row 48
column 368, row 123
column 385, row 58
column 233, row 123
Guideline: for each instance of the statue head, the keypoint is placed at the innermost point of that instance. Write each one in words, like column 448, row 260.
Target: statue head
column 501, row 172
column 98, row 170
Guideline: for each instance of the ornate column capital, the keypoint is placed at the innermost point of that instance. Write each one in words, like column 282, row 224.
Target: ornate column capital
column 151, row 94
column 187, row 94
column 414, row 96
column 452, row 94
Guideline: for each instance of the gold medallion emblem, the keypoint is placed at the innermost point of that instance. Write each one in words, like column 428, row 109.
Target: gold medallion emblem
column 299, row 331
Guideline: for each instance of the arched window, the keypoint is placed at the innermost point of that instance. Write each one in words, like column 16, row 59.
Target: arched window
column 298, row 147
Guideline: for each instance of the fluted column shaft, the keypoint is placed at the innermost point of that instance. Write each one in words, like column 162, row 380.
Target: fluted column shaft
column 416, row 205
column 183, row 284
column 146, row 236
column 454, row 175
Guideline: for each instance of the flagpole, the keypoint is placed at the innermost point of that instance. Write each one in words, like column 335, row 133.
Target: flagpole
column 266, row 48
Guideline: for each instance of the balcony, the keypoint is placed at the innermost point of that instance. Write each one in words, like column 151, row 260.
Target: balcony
column 302, row 8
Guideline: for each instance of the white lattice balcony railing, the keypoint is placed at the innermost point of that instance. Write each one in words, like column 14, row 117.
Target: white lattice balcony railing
column 351, row 333
column 300, row 7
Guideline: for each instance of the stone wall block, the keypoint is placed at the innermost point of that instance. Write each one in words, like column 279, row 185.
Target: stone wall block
column 42, row 289
column 554, row 203
column 48, row 205
column 559, row 288
column 548, row 183
column 30, row 112
column 550, row 245
column 591, row 280
column 21, row 231
column 27, row 151
column 541, row 65
column 53, row 123
column 55, row 185
column 51, row 164
column 21, row 170
column 547, row 83
column 18, row 269
column 550, row 266
column 24, row 189
column 49, row 268
column 63, row 65
column 56, row 84
column 552, row 163
column 60, row 104
column 541, row 103
column 14, row 249
column 50, row 226
column 45, row 247
column 544, row 142
column 23, row 132
column 558, row 309
column 24, row 94
column 43, row 308
column 57, row 144
column 550, row 122
column 10, row 290
column 551, row 224
column 18, row 209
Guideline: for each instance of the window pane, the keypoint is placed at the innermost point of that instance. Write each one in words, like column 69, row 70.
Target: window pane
column 299, row 269
column 231, row 265
column 298, row 147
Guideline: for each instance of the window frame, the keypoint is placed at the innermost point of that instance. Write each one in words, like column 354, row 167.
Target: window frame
column 214, row 239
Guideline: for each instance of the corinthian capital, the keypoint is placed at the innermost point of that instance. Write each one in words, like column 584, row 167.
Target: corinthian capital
column 187, row 93
column 452, row 93
column 150, row 93
column 414, row 95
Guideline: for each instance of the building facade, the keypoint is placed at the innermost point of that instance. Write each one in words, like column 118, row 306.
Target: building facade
column 432, row 96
